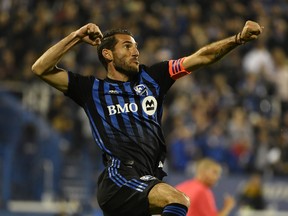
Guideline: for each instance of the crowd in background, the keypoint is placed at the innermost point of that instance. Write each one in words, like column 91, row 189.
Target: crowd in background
column 235, row 111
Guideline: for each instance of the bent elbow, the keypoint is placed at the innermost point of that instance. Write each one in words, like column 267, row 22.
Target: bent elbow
column 39, row 70
column 36, row 70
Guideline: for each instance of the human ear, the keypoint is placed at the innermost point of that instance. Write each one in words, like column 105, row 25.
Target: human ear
column 107, row 54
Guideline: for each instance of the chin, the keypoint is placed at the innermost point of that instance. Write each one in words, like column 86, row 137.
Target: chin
column 130, row 72
column 135, row 69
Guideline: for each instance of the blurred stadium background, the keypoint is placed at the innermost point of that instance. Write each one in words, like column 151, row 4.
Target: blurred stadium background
column 235, row 111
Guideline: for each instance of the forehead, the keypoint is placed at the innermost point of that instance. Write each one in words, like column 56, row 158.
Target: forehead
column 122, row 38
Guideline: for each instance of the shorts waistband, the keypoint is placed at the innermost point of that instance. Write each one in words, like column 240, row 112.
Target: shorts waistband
column 115, row 162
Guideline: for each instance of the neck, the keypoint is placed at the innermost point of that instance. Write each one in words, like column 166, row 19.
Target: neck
column 202, row 180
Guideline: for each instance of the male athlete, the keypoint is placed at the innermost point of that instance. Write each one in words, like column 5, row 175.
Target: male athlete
column 125, row 111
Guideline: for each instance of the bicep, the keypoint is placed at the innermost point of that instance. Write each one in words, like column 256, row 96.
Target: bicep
column 57, row 77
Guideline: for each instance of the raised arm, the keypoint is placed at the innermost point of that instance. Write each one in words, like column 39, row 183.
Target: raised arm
column 215, row 51
column 46, row 66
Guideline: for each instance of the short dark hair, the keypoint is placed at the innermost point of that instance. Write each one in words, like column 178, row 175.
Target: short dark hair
column 109, row 41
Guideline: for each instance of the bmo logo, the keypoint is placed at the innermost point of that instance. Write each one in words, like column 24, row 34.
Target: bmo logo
column 149, row 105
column 117, row 109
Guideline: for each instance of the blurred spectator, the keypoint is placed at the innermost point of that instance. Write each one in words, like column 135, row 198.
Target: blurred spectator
column 261, row 151
column 62, row 118
column 254, row 94
column 7, row 65
column 241, row 135
column 259, row 61
column 225, row 95
column 279, row 26
column 181, row 148
column 36, row 97
column 280, row 150
column 281, row 77
column 198, row 189
column 217, row 147
column 251, row 195
column 27, row 167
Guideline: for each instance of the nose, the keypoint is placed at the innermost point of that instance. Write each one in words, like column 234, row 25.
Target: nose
column 135, row 52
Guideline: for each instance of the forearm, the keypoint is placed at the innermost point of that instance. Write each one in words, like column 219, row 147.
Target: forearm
column 210, row 53
column 215, row 51
column 51, row 57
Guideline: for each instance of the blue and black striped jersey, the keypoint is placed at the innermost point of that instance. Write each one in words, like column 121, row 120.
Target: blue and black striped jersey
column 125, row 117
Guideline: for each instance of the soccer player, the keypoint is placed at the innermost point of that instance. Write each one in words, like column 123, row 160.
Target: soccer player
column 198, row 189
column 125, row 111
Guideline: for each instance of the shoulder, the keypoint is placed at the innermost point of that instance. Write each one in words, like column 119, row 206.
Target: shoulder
column 78, row 83
column 77, row 76
column 159, row 72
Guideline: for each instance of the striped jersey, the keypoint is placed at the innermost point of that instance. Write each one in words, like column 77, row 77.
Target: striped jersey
column 125, row 117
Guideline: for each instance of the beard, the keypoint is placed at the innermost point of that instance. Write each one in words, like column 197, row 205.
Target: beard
column 126, row 68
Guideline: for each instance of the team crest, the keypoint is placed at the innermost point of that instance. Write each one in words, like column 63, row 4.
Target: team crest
column 141, row 89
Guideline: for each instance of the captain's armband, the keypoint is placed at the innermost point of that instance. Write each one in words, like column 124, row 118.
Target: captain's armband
column 176, row 69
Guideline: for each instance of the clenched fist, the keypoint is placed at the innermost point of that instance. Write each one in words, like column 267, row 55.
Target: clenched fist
column 250, row 31
column 90, row 33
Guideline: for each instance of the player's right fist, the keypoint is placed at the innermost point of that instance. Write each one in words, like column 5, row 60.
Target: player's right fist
column 90, row 33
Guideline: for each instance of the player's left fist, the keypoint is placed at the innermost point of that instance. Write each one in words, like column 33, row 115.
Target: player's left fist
column 250, row 31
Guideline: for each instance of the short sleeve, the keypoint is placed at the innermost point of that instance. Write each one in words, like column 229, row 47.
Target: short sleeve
column 79, row 87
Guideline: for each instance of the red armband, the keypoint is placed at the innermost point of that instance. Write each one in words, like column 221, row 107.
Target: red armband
column 176, row 69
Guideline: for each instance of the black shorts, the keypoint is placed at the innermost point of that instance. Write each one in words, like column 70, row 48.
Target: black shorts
column 123, row 192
